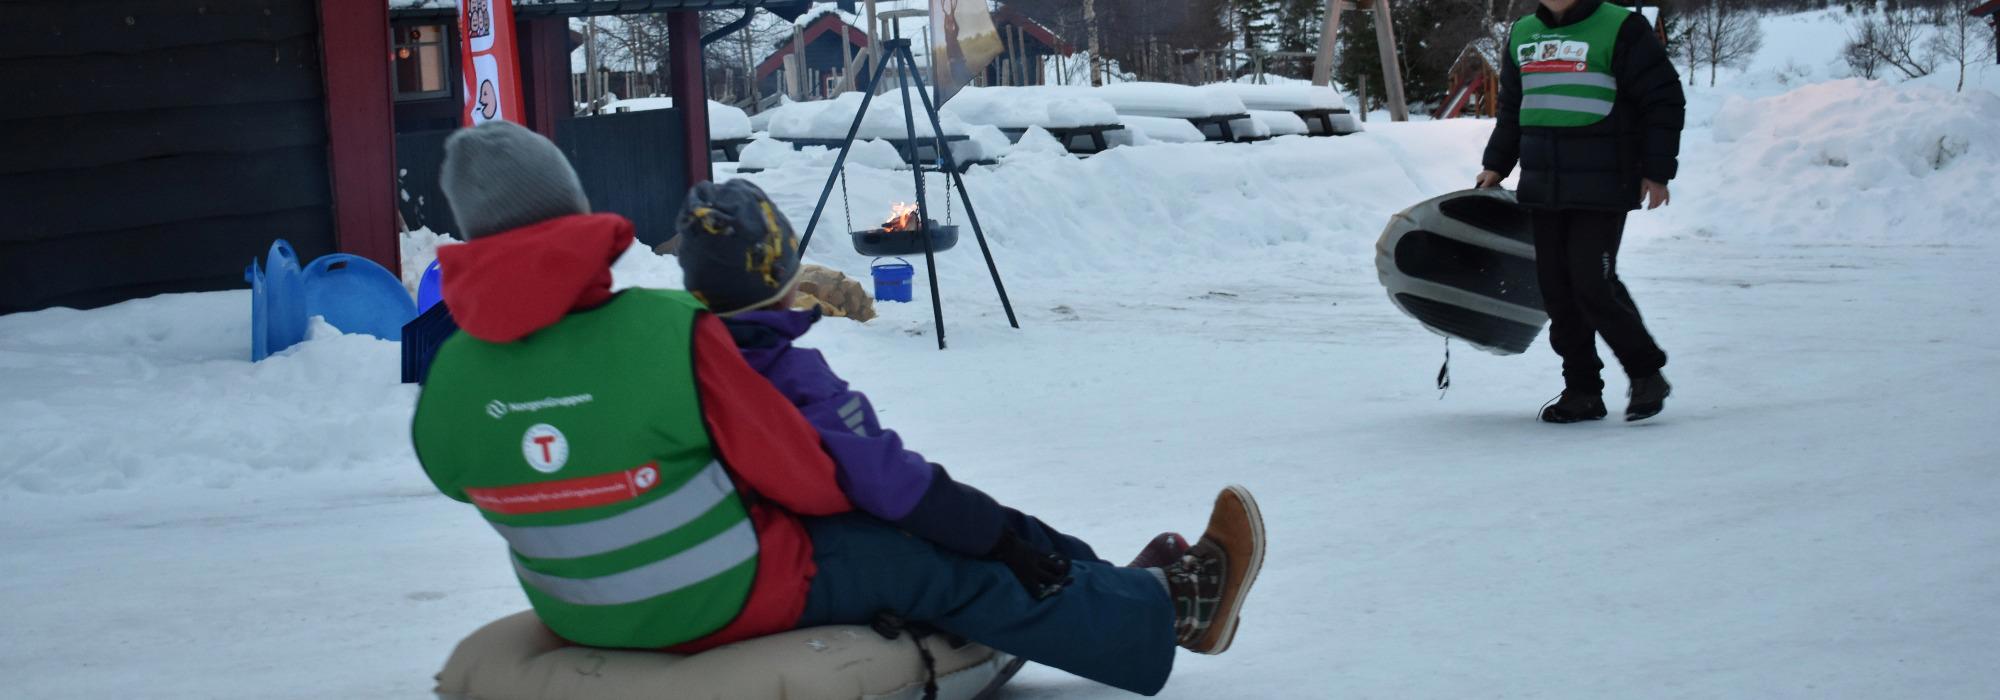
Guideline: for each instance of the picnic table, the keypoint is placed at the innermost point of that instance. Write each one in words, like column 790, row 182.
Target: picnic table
column 1068, row 135
column 921, row 153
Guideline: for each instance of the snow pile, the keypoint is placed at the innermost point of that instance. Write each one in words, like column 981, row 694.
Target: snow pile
column 830, row 119
column 1161, row 100
column 1022, row 107
column 1282, row 98
column 1251, row 127
column 1039, row 141
column 1277, row 123
column 769, row 154
column 1159, row 129
column 1835, row 161
column 988, row 143
column 725, row 122
column 418, row 249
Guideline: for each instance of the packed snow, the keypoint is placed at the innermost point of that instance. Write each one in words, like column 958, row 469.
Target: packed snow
column 1021, row 107
column 1812, row 516
column 1162, row 100
column 1283, row 98
column 1276, row 123
column 1162, row 129
column 725, row 122
column 830, row 119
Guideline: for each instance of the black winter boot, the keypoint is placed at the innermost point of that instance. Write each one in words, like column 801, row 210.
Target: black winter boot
column 1575, row 407
column 1649, row 395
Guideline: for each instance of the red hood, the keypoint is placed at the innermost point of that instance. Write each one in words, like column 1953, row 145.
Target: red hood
column 503, row 287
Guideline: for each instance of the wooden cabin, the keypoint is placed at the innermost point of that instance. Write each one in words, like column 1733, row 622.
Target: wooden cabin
column 832, row 47
column 1029, row 46
column 160, row 145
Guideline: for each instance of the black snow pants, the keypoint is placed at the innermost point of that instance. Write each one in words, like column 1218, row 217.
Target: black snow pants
column 1576, row 258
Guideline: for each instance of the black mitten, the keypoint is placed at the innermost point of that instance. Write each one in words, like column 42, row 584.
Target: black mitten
column 1043, row 573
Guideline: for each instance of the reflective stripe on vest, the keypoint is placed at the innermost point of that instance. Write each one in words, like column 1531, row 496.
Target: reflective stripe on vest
column 1566, row 78
column 1566, row 104
column 631, row 527
column 693, row 565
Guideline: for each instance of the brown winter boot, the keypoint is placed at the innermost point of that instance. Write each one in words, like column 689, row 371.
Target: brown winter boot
column 1209, row 583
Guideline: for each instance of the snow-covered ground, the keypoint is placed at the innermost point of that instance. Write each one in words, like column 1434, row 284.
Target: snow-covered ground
column 1813, row 516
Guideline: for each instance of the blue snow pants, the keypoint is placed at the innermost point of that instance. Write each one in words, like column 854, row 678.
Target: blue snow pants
column 1113, row 625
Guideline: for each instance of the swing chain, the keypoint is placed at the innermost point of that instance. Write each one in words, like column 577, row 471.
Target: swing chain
column 846, row 206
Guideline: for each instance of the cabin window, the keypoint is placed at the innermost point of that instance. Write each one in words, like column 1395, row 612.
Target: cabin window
column 422, row 63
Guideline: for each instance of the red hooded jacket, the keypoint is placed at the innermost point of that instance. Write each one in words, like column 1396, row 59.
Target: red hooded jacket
column 504, row 287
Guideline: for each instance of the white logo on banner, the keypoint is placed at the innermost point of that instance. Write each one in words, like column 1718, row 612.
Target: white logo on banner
column 545, row 448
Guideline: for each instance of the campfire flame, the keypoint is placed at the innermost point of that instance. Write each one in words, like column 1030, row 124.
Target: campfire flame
column 902, row 217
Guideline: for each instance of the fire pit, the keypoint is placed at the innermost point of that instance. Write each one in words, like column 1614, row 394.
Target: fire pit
column 899, row 235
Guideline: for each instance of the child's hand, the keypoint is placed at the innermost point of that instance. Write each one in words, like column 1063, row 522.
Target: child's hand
column 1043, row 573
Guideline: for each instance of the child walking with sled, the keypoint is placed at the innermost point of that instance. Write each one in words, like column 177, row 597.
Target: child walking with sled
column 666, row 480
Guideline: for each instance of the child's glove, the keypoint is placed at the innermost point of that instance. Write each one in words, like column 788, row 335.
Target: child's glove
column 1043, row 573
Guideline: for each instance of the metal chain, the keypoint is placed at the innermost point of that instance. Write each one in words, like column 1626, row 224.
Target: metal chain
column 846, row 206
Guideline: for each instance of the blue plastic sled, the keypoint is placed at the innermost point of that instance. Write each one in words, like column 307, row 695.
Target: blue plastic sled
column 277, row 302
column 356, row 295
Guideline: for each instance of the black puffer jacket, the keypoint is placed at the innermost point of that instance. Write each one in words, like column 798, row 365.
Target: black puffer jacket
column 1596, row 166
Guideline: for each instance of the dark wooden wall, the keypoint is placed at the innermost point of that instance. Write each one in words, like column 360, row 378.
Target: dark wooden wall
column 152, row 146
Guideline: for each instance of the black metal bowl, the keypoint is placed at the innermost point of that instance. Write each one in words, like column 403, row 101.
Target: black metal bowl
column 877, row 242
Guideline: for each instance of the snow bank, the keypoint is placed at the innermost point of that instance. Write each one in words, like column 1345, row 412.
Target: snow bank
column 988, row 142
column 768, row 154
column 725, row 122
column 1160, row 129
column 1836, row 161
column 1039, row 141
column 1282, row 98
column 1023, row 107
column 1156, row 99
column 830, row 119
column 1276, row 123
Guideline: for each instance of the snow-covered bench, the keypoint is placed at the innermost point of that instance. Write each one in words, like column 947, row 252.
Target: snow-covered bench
column 1321, row 108
column 728, row 127
column 1077, row 120
column 1216, row 113
column 825, row 123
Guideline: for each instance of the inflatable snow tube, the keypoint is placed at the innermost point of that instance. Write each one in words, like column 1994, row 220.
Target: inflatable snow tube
column 517, row 658
column 1463, row 265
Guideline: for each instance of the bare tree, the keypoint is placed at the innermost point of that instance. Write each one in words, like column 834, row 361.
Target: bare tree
column 1891, row 39
column 1955, row 38
column 1722, row 33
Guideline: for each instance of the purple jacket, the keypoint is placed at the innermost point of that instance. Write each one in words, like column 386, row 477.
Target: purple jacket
column 878, row 475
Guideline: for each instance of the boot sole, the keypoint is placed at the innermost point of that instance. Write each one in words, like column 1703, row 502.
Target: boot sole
column 1234, row 604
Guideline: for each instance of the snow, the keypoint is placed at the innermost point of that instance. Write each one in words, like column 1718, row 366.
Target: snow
column 1278, row 123
column 1283, row 98
column 1022, row 107
column 725, row 122
column 1037, row 140
column 770, row 153
column 830, row 119
column 1162, row 129
column 1811, row 517
column 1164, row 100
column 989, row 142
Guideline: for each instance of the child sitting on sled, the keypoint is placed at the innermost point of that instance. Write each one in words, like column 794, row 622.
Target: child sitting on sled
column 668, row 481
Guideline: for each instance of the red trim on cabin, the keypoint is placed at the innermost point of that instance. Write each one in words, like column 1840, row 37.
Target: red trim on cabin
column 1029, row 26
column 689, row 87
column 361, row 129
column 1989, row 8
column 826, row 23
column 545, row 56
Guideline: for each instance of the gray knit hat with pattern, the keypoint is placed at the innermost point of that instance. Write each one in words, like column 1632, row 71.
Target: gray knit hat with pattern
column 500, row 176
column 737, row 251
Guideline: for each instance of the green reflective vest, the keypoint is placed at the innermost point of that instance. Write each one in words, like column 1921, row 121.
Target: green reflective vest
column 1566, row 77
column 583, row 445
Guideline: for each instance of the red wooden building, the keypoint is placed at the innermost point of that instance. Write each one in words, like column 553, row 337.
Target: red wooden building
column 1991, row 11
column 151, row 146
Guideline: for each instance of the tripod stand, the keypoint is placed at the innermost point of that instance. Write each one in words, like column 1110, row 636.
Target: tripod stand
column 897, row 51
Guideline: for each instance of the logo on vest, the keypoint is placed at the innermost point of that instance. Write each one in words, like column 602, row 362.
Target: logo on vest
column 545, row 448
column 645, row 477
column 499, row 409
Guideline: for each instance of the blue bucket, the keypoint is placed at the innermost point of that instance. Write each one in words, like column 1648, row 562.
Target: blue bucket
column 892, row 280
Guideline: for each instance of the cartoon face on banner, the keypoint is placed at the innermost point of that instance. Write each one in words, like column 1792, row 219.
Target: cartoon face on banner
column 492, row 80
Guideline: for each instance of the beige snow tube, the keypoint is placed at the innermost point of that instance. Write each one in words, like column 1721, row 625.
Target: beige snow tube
column 517, row 658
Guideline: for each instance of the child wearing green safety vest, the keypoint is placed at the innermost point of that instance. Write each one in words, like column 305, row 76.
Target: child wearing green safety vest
column 664, row 480
column 1592, row 110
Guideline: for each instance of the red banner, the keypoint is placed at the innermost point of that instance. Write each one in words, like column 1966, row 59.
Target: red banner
column 490, row 62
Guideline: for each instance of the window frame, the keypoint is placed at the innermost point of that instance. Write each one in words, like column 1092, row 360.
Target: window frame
column 398, row 43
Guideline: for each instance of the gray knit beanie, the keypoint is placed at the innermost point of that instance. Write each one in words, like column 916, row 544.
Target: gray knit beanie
column 737, row 251
column 499, row 176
